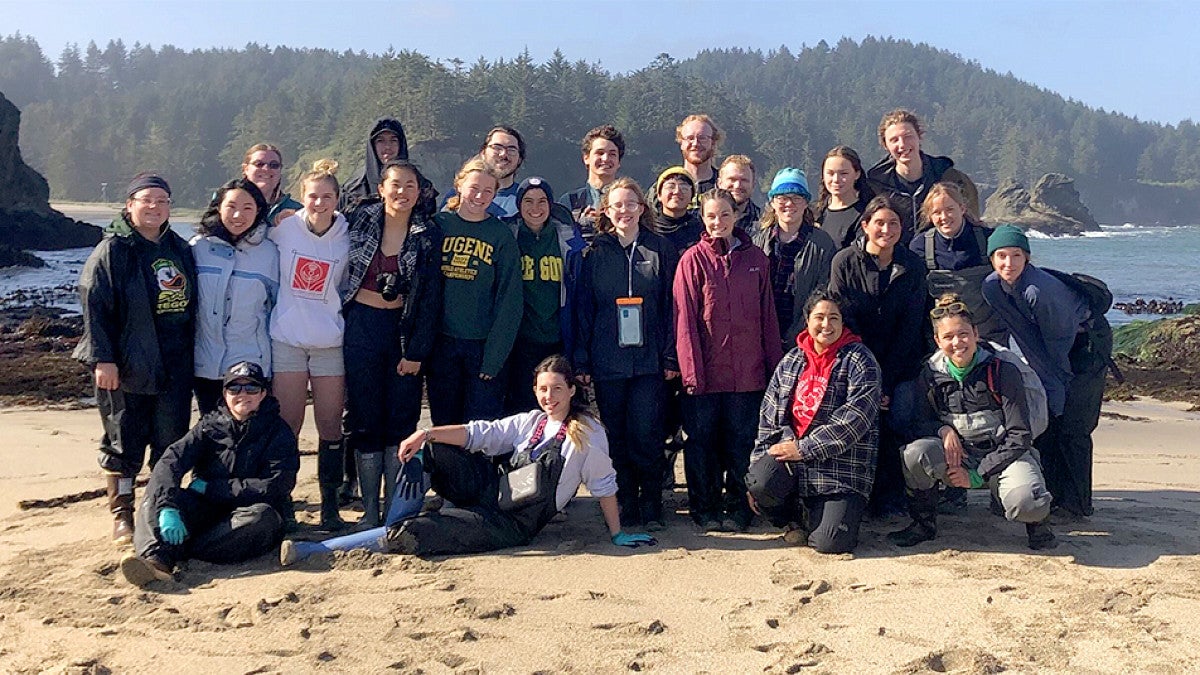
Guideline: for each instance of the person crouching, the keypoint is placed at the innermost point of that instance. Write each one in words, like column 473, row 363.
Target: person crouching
column 974, row 430
column 243, row 459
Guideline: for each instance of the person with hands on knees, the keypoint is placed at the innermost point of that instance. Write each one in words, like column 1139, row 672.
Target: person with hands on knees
column 814, row 459
column 243, row 460
column 562, row 444
column 977, row 423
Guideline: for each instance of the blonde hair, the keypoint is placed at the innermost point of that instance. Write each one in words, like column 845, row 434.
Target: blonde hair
column 473, row 165
column 322, row 169
column 944, row 189
column 717, row 134
column 646, row 220
column 739, row 160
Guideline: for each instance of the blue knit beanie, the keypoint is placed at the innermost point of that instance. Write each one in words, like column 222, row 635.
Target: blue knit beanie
column 790, row 181
column 1005, row 236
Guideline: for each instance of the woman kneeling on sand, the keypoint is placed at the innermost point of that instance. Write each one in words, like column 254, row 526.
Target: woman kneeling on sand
column 243, row 459
column 814, row 460
column 566, row 443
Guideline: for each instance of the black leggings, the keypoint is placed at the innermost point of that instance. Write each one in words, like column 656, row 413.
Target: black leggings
column 831, row 520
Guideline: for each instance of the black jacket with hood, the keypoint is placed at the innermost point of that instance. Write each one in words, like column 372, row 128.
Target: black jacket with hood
column 891, row 321
column 884, row 180
column 118, row 308
column 242, row 463
column 366, row 182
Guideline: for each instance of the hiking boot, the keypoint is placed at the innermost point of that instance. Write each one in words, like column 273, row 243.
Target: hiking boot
column 922, row 506
column 120, row 503
column 1041, row 537
column 795, row 535
column 141, row 571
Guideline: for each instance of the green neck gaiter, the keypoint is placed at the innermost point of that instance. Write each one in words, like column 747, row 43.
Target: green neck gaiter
column 959, row 373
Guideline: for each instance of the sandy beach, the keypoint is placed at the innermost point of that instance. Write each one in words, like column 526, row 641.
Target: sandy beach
column 1120, row 594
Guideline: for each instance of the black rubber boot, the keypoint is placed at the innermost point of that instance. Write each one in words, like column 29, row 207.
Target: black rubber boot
column 370, row 471
column 120, row 503
column 922, row 506
column 391, row 469
column 348, row 492
column 1041, row 537
column 330, row 457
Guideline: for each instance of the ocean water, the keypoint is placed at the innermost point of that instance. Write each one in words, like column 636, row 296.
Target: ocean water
column 1146, row 262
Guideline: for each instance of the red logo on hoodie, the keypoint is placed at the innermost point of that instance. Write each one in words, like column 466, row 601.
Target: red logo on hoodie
column 310, row 275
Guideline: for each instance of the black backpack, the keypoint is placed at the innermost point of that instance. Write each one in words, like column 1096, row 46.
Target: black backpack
column 1100, row 300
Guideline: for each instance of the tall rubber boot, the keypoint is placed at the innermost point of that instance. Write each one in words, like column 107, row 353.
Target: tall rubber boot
column 922, row 506
column 370, row 472
column 330, row 456
column 120, row 503
column 391, row 473
column 410, row 496
column 348, row 492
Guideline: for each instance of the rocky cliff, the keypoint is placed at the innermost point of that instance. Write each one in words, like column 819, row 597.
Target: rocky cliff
column 26, row 220
column 1053, row 206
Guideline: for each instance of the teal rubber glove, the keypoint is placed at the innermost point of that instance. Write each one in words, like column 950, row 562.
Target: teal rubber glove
column 199, row 485
column 633, row 540
column 976, row 480
column 170, row 524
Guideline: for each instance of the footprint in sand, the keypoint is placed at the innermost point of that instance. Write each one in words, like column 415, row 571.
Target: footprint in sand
column 957, row 660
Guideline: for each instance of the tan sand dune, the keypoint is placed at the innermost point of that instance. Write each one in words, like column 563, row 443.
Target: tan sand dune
column 1120, row 594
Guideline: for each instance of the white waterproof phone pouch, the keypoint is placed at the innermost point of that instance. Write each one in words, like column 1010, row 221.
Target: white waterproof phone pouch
column 629, row 322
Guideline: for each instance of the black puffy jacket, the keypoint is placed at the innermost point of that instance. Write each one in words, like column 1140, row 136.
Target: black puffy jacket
column 243, row 463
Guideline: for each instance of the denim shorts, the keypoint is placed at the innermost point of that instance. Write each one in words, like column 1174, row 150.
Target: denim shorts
column 322, row 362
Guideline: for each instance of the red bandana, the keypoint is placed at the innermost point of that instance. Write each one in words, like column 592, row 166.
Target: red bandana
column 814, row 379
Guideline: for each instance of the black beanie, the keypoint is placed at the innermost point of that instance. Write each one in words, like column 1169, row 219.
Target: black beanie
column 147, row 180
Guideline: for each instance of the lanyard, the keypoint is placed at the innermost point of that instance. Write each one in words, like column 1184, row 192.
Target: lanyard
column 629, row 269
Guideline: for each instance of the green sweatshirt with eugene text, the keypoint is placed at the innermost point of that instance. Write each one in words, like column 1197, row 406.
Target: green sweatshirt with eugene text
column 483, row 298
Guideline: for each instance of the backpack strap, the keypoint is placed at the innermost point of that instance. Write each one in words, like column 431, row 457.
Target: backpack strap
column 930, row 261
column 993, row 376
column 981, row 238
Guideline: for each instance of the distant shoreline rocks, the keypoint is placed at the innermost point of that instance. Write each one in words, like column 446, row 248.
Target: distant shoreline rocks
column 1053, row 207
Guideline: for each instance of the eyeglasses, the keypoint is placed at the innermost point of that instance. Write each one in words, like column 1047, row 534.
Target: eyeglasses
column 952, row 309
column 625, row 206
column 794, row 200
column 243, row 388
column 697, row 139
column 272, row 165
column 153, row 201
column 504, row 149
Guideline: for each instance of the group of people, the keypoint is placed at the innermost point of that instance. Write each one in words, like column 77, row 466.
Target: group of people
column 785, row 347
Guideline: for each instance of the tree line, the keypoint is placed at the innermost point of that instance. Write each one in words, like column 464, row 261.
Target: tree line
column 101, row 114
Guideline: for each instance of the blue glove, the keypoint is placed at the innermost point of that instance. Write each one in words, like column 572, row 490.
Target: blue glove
column 199, row 485
column 633, row 540
column 170, row 523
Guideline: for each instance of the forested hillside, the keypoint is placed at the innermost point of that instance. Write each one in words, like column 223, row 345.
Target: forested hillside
column 100, row 114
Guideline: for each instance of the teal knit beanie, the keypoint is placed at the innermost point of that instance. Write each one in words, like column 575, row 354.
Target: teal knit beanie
column 1005, row 236
column 790, row 181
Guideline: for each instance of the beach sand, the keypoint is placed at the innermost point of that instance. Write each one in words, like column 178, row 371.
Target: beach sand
column 1120, row 594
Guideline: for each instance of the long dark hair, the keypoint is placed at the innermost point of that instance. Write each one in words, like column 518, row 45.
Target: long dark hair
column 579, row 418
column 210, row 222
column 860, row 185
column 426, row 203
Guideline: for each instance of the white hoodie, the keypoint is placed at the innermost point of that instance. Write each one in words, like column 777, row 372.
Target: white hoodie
column 312, row 279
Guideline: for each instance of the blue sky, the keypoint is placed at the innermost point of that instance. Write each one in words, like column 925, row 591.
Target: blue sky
column 1139, row 57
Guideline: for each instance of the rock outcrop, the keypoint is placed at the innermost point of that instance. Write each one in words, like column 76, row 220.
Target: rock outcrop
column 26, row 220
column 1053, row 206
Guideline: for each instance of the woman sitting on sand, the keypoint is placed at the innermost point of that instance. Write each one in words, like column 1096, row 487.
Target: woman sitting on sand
column 814, row 460
column 974, row 428
column 565, row 440
column 243, row 459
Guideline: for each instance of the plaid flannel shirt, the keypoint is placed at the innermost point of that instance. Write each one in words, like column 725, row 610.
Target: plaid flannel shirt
column 838, row 451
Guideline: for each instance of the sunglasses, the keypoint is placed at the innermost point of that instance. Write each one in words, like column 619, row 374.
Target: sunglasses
column 244, row 388
column 259, row 164
column 952, row 309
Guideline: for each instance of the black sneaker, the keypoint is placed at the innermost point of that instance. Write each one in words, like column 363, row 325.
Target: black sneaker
column 1041, row 537
column 912, row 535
